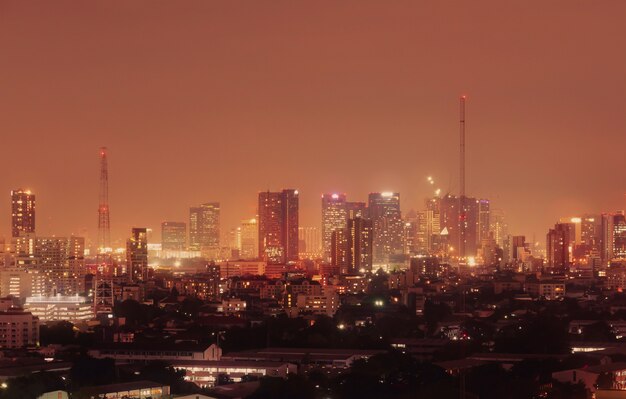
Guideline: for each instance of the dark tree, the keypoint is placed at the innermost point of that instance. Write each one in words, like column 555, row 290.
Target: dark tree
column 59, row 333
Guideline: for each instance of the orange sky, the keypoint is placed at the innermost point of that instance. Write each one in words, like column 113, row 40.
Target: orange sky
column 215, row 100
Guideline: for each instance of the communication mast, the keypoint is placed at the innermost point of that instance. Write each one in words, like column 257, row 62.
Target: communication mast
column 103, row 284
column 462, row 204
column 104, row 223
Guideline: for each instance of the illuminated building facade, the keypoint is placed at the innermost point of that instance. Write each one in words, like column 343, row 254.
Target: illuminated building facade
column 21, row 283
column 22, row 212
column 432, row 224
column 249, row 239
column 173, row 236
column 137, row 254
column 559, row 241
column 334, row 217
column 57, row 308
column 450, row 219
column 278, row 226
column 339, row 250
column 60, row 260
column 310, row 246
column 204, row 227
column 388, row 227
column 18, row 329
column 360, row 245
column 355, row 209
column 484, row 219
column 619, row 236
column 499, row 227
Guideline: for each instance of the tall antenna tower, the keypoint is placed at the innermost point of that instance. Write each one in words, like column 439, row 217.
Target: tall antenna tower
column 462, row 205
column 103, row 287
column 104, row 223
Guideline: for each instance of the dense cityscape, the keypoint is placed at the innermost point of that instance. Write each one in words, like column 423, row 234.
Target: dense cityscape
column 281, row 310
column 312, row 200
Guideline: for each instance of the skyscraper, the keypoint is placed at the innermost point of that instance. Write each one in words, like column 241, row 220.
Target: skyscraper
column 360, row 245
column 356, row 210
column 74, row 282
column 310, row 242
column 432, row 223
column 484, row 220
column 411, row 232
column 249, row 239
column 499, row 228
column 278, row 226
column 333, row 218
column 204, row 227
column 450, row 219
column 559, row 241
column 619, row 236
column 339, row 250
column 384, row 211
column 22, row 212
column 173, row 236
column 137, row 254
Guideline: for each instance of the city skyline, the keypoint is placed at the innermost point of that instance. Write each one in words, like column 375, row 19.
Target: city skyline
column 353, row 83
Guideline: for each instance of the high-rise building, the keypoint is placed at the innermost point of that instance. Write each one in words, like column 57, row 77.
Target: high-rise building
column 21, row 283
column 60, row 260
column 137, row 254
column 173, row 236
column 450, row 219
column 22, row 212
column 432, row 224
column 484, row 219
column 51, row 255
column 590, row 231
column 422, row 241
column 278, row 226
column 606, row 237
column 499, row 227
column 411, row 232
column 384, row 211
column 619, row 236
column 559, row 241
column 356, row 210
column 310, row 242
column 333, row 218
column 518, row 248
column 339, row 250
column 360, row 245
column 204, row 227
column 249, row 239
column 75, row 278
column 489, row 251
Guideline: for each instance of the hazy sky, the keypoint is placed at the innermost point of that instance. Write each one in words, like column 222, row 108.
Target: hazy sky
column 203, row 101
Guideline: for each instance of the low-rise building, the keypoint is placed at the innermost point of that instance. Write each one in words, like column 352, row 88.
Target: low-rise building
column 167, row 352
column 318, row 304
column 589, row 375
column 324, row 358
column 205, row 373
column 548, row 289
column 57, row 308
column 18, row 329
column 135, row 389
